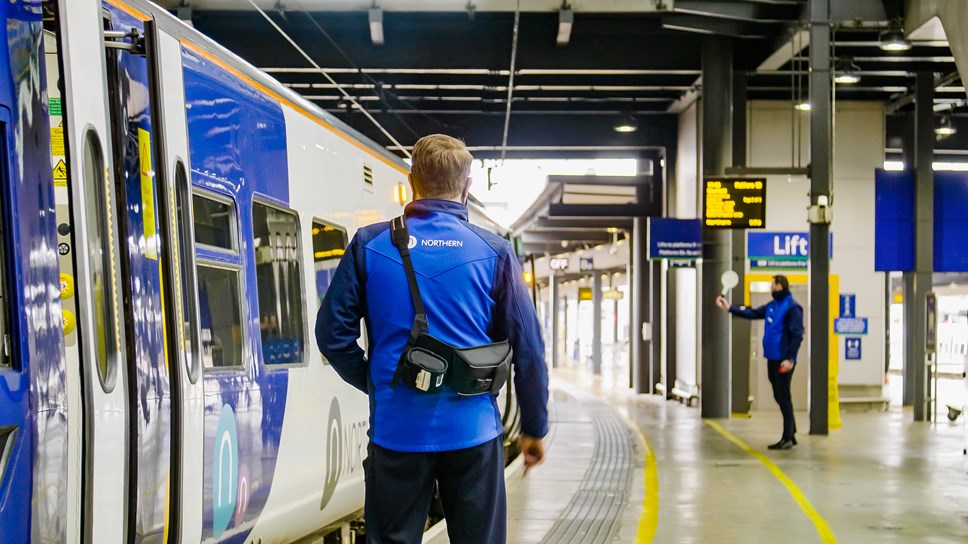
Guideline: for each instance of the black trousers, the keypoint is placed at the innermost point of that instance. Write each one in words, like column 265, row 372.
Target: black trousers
column 781, row 393
column 400, row 485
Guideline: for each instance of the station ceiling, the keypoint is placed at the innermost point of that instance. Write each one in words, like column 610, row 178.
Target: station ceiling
column 446, row 65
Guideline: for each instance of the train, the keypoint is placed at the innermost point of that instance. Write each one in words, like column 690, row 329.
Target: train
column 170, row 219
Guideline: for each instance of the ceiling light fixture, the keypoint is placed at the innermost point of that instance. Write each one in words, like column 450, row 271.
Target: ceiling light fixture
column 626, row 124
column 376, row 24
column 802, row 106
column 893, row 40
column 566, row 18
column 846, row 72
column 945, row 129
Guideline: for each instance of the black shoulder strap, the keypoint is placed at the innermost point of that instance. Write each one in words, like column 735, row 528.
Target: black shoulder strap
column 401, row 238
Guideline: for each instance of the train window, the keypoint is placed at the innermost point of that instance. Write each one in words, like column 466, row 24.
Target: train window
column 213, row 223
column 189, row 306
column 220, row 320
column 329, row 244
column 280, row 285
column 105, row 328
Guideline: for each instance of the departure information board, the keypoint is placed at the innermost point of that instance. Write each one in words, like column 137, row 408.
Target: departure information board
column 734, row 203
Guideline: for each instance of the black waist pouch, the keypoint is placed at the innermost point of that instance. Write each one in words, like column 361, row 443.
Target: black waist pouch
column 468, row 371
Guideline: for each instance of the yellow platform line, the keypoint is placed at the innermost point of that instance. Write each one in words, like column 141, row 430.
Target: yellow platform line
column 649, row 519
column 826, row 535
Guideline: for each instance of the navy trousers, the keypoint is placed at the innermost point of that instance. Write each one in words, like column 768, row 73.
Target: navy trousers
column 782, row 396
column 400, row 485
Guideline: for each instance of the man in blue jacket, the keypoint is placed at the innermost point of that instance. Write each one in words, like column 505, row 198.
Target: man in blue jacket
column 782, row 335
column 473, row 290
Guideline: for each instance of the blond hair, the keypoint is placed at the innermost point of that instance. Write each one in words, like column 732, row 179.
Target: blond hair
column 441, row 166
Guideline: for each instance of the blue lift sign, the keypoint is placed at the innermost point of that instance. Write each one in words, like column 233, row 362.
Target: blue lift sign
column 852, row 351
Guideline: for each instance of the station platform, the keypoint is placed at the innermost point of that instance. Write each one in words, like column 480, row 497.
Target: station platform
column 636, row 468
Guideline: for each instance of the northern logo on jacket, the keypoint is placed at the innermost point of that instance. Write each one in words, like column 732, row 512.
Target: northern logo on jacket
column 434, row 243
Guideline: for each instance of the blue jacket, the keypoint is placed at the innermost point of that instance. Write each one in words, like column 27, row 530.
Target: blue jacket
column 473, row 289
column 783, row 330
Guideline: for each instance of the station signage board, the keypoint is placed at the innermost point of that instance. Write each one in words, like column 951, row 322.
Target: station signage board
column 780, row 250
column 679, row 239
column 558, row 264
column 584, row 293
column 734, row 203
column 586, row 265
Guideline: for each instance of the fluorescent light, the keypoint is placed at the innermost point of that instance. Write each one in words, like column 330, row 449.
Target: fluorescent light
column 894, row 166
column 898, row 166
column 566, row 18
column 803, row 106
column 847, row 78
column 376, row 26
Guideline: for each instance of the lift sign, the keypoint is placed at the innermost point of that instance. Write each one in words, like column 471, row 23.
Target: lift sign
column 734, row 203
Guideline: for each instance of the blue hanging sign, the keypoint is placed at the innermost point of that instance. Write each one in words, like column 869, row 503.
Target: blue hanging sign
column 675, row 238
column 780, row 250
column 852, row 349
column 850, row 325
column 848, row 305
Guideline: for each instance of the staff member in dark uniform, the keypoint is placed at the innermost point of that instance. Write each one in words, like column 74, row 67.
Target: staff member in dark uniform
column 473, row 290
column 782, row 336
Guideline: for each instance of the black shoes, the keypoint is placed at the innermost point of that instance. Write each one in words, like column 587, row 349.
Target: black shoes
column 783, row 444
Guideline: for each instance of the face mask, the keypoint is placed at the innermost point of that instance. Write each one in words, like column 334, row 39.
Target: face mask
column 779, row 295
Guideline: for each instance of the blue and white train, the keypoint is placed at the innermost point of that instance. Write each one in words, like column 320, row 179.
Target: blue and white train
column 170, row 218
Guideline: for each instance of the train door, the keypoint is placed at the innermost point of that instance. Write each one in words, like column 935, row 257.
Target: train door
column 158, row 364
column 89, row 238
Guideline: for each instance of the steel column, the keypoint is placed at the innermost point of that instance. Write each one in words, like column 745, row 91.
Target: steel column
column 596, row 322
column 554, row 294
column 740, row 348
column 821, row 173
column 717, row 102
column 672, row 356
column 923, row 236
column 641, row 350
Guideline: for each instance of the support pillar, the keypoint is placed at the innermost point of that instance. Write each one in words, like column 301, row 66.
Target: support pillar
column 672, row 357
column 596, row 323
column 923, row 238
column 821, row 172
column 717, row 89
column 554, row 294
column 641, row 293
column 740, row 346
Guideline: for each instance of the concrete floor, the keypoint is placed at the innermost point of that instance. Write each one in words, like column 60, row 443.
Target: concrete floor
column 880, row 478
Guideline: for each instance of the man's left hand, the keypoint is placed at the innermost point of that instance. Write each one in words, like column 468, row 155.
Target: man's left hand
column 786, row 366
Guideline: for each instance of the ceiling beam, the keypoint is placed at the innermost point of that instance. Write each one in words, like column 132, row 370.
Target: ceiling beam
column 556, row 236
column 601, row 210
column 587, row 223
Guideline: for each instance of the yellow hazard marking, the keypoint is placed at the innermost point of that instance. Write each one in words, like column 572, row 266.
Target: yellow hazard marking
column 147, row 194
column 66, row 286
column 70, row 322
column 649, row 520
column 57, row 141
column 826, row 535
column 60, row 174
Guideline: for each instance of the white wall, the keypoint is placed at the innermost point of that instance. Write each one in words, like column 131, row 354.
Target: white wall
column 858, row 150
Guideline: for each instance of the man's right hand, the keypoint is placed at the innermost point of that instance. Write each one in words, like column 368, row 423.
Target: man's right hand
column 722, row 303
column 533, row 451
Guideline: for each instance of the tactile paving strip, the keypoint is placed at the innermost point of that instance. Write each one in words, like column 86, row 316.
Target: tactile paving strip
column 593, row 514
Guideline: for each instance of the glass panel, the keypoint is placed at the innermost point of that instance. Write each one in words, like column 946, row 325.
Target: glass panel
column 105, row 330
column 219, row 317
column 329, row 244
column 189, row 308
column 213, row 223
column 281, row 322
